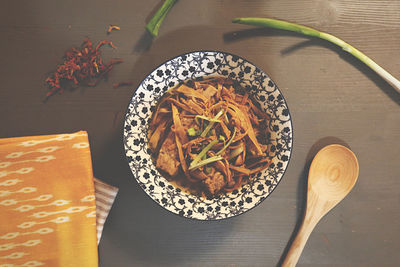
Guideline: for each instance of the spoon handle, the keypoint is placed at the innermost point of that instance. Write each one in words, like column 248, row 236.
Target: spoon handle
column 298, row 244
column 311, row 218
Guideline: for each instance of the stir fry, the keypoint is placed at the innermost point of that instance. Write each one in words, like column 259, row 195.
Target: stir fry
column 211, row 135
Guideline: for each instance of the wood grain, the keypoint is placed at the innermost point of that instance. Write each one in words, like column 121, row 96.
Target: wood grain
column 333, row 173
column 329, row 94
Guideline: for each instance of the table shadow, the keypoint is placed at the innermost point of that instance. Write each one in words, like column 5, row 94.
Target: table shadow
column 240, row 35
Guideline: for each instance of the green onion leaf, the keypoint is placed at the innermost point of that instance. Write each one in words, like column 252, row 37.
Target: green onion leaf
column 211, row 124
column 154, row 24
column 204, row 162
column 284, row 25
column 203, row 153
column 227, row 144
column 204, row 118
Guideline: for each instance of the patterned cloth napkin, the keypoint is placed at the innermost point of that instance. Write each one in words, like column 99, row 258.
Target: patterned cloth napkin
column 51, row 214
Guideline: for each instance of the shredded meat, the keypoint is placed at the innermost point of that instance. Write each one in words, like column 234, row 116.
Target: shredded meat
column 188, row 123
column 215, row 183
column 168, row 157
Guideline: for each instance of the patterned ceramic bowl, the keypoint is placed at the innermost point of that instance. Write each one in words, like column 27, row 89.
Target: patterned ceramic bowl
column 198, row 65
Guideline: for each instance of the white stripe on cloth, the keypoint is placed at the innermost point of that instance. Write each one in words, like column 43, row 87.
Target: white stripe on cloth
column 105, row 196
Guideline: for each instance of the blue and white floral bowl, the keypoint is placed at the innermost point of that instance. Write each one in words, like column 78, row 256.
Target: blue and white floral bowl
column 198, row 65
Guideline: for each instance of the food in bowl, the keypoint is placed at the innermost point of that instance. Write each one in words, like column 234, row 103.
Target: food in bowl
column 196, row 66
column 209, row 136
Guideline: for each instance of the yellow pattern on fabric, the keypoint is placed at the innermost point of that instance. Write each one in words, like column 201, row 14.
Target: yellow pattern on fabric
column 46, row 194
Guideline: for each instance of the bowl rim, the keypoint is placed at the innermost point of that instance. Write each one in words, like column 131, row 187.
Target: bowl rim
column 124, row 136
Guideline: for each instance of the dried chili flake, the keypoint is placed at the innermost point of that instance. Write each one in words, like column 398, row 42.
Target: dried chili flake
column 113, row 27
column 116, row 85
column 82, row 66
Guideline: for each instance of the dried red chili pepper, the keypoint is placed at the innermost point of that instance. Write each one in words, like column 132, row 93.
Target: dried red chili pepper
column 83, row 66
column 113, row 27
column 116, row 85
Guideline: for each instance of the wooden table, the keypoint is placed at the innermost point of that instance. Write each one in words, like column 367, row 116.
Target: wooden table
column 332, row 97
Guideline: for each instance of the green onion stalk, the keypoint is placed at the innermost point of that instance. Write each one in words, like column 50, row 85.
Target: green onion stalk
column 227, row 144
column 202, row 154
column 284, row 25
column 205, row 162
column 200, row 161
column 154, row 24
column 211, row 124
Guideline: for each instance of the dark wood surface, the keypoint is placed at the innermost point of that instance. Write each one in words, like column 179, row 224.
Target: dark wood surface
column 332, row 97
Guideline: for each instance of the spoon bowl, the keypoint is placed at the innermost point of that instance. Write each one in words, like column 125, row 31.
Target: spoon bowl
column 332, row 175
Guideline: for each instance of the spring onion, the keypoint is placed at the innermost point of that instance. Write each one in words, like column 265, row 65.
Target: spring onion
column 197, row 117
column 211, row 124
column 154, row 24
column 227, row 144
column 205, row 162
column 203, row 153
column 284, row 25
column 193, row 132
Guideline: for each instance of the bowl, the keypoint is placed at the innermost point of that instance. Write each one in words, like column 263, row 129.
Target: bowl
column 199, row 65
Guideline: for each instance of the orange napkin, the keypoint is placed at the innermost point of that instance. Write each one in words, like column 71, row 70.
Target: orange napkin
column 47, row 202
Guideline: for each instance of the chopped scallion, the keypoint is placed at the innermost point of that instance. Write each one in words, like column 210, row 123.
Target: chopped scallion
column 203, row 153
column 192, row 132
column 197, row 117
column 205, row 162
column 227, row 144
column 211, row 124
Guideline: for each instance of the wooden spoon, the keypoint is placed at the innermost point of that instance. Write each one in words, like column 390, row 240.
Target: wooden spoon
column 333, row 173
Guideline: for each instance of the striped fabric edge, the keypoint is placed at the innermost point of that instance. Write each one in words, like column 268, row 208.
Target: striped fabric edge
column 105, row 196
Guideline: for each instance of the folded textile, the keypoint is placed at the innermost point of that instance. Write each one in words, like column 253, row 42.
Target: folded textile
column 48, row 201
column 105, row 196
